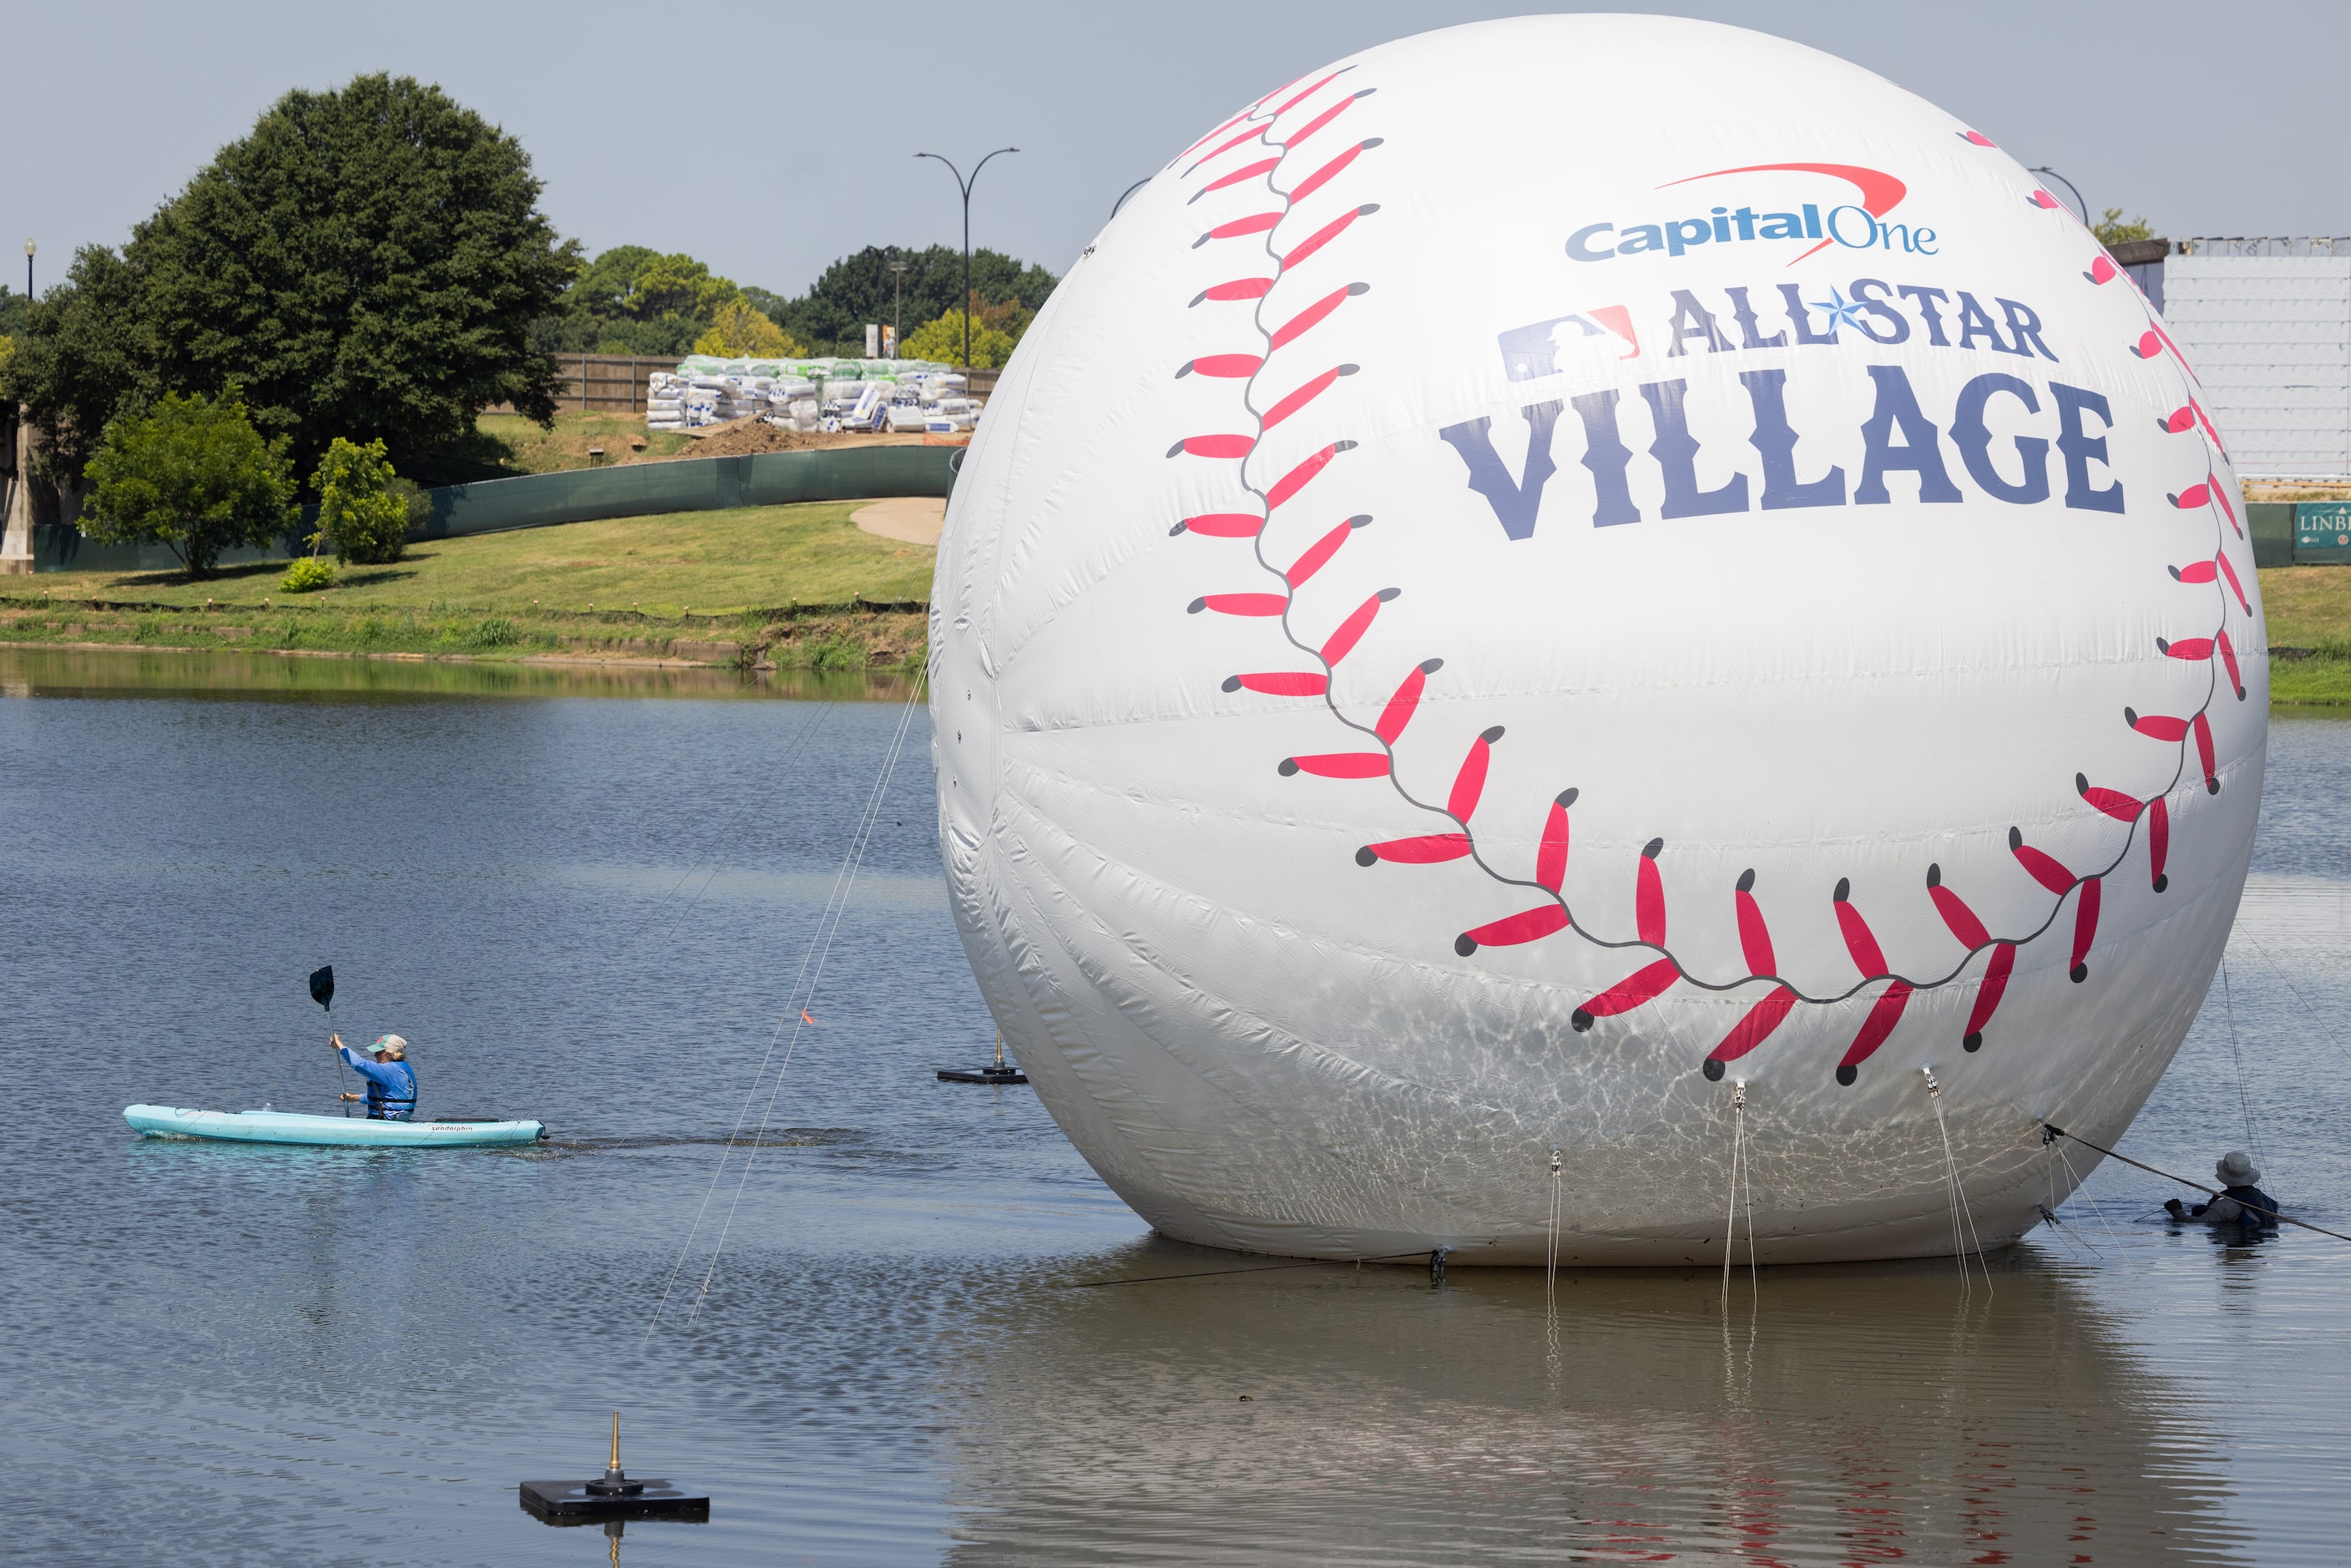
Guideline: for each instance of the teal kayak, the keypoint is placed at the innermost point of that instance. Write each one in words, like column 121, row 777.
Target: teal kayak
column 355, row 1132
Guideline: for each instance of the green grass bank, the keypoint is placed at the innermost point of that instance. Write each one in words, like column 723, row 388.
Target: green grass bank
column 798, row 586
column 2308, row 613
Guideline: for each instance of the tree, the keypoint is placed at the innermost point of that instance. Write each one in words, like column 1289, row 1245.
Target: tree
column 361, row 512
column 859, row 288
column 635, row 300
column 942, row 339
column 12, row 322
column 677, row 286
column 739, row 332
column 2112, row 230
column 604, row 284
column 86, row 358
column 192, row 474
column 368, row 259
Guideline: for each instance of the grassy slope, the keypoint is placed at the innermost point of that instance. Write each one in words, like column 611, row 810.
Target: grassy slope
column 2309, row 606
column 715, row 562
column 646, row 584
column 630, row 585
column 536, row 451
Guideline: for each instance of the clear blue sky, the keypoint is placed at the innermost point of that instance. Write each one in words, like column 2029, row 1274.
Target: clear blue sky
column 768, row 139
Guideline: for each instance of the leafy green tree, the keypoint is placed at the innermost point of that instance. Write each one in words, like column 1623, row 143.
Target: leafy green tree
column 194, row 473
column 635, row 300
column 740, row 333
column 943, row 340
column 603, row 285
column 2111, row 229
column 86, row 357
column 361, row 512
column 677, row 286
column 831, row 317
column 368, row 259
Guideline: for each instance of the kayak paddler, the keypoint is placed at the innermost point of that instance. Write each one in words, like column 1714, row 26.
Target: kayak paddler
column 390, row 1081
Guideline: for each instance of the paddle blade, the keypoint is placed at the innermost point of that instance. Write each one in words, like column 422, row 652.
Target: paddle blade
column 322, row 986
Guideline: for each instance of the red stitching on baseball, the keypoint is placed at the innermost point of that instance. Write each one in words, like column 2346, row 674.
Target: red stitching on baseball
column 1654, row 978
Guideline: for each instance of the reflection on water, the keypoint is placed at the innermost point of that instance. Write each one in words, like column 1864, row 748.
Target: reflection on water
column 592, row 911
column 1838, row 1415
column 35, row 670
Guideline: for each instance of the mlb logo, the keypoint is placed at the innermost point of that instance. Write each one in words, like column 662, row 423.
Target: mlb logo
column 1536, row 349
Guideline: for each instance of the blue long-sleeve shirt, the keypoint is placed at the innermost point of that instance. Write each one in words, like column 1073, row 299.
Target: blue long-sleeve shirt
column 391, row 1086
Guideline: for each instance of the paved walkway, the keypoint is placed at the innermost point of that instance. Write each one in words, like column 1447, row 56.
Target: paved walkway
column 915, row 519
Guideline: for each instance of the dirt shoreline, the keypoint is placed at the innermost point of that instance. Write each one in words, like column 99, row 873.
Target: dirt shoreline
column 585, row 660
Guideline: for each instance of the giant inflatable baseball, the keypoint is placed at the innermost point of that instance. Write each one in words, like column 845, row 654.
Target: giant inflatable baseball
column 1597, row 584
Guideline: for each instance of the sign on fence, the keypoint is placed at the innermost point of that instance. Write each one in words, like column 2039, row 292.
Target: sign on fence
column 2322, row 532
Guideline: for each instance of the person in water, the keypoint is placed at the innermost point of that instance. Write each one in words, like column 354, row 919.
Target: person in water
column 2242, row 1202
column 391, row 1082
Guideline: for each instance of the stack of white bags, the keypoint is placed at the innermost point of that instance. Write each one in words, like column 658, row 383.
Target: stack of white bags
column 691, row 401
column 791, row 393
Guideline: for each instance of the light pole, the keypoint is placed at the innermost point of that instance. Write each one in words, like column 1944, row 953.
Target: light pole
column 29, row 271
column 898, row 304
column 966, row 185
column 2061, row 179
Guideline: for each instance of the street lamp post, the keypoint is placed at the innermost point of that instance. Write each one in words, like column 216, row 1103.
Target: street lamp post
column 898, row 303
column 2061, row 179
column 29, row 271
column 965, row 185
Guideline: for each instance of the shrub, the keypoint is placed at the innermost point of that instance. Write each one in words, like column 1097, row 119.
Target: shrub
column 308, row 575
column 192, row 474
column 495, row 631
column 2112, row 230
column 843, row 653
column 361, row 512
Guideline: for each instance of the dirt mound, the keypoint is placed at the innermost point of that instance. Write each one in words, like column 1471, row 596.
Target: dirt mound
column 745, row 437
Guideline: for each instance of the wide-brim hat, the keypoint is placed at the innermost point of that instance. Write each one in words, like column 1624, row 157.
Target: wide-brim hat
column 391, row 1045
column 2235, row 1168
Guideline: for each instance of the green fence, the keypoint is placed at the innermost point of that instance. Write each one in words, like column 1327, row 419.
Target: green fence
column 2271, row 523
column 586, row 494
column 693, row 485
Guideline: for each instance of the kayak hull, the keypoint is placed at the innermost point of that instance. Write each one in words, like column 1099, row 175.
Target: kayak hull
column 336, row 1132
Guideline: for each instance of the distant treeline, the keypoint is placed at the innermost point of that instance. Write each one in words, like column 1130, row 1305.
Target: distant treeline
column 371, row 263
column 632, row 299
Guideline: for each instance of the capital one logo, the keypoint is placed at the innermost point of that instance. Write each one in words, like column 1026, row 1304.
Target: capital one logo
column 1864, row 222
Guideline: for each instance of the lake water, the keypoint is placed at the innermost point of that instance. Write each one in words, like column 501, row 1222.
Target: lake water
column 591, row 908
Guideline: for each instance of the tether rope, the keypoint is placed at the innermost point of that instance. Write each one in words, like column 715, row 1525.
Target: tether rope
column 798, row 744
column 1551, row 1275
column 1958, row 1195
column 2053, row 1130
column 2296, row 991
column 803, row 997
column 2228, row 1005
column 2079, row 1179
column 735, row 1133
column 1730, row 1220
